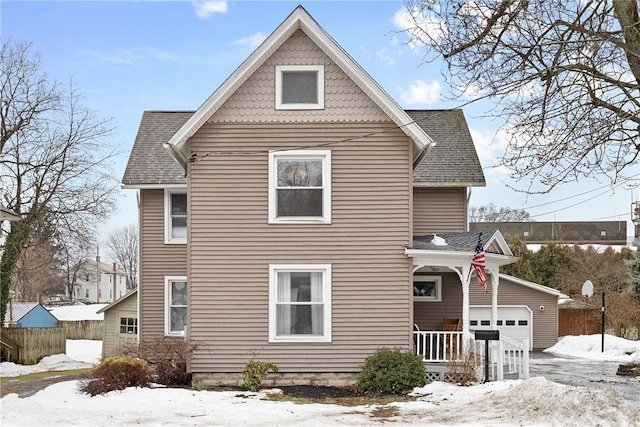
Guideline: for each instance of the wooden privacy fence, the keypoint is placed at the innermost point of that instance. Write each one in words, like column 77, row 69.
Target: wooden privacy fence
column 83, row 329
column 578, row 321
column 27, row 346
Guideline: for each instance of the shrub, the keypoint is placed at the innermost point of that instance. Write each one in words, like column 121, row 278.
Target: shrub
column 167, row 357
column 463, row 371
column 116, row 373
column 254, row 372
column 391, row 371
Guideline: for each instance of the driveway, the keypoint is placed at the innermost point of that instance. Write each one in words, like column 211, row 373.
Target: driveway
column 583, row 372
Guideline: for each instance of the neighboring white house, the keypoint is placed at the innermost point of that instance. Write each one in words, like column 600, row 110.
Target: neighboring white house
column 111, row 284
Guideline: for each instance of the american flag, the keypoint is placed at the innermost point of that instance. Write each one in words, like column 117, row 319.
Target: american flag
column 478, row 264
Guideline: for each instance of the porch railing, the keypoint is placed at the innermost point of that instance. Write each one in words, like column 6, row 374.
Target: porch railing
column 438, row 346
column 507, row 356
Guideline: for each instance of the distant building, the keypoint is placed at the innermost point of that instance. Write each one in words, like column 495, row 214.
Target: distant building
column 111, row 284
column 570, row 232
column 28, row 315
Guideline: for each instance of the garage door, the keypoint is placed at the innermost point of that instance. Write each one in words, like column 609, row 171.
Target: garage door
column 514, row 322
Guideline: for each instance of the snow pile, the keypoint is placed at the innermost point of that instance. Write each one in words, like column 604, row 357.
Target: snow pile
column 589, row 347
column 536, row 401
column 78, row 312
column 533, row 402
column 80, row 354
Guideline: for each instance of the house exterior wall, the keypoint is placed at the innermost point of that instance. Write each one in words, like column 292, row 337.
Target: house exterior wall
column 110, row 341
column 157, row 260
column 545, row 323
column 428, row 315
column 254, row 101
column 439, row 210
column 231, row 246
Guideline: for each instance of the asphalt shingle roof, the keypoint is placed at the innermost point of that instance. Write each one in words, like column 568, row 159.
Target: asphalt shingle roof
column 452, row 162
column 458, row 242
column 149, row 162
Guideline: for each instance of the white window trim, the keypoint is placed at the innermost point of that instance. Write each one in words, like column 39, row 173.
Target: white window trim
column 317, row 106
column 167, row 304
column 325, row 156
column 168, row 239
column 325, row 269
column 437, row 279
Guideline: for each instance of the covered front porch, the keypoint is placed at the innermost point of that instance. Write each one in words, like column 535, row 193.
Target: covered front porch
column 443, row 276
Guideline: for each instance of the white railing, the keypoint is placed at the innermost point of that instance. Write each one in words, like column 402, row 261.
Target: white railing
column 516, row 356
column 506, row 356
column 438, row 346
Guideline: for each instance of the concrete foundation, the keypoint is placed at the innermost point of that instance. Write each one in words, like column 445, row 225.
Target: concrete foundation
column 207, row 380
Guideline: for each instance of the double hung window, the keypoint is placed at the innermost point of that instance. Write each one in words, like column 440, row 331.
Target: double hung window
column 300, row 186
column 175, row 208
column 175, row 305
column 300, row 303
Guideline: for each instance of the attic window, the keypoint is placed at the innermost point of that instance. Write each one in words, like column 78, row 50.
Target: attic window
column 299, row 87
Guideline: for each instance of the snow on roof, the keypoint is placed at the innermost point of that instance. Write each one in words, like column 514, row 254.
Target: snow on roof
column 78, row 312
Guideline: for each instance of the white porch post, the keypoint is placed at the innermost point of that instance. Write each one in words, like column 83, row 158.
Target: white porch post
column 463, row 274
column 495, row 281
column 465, row 279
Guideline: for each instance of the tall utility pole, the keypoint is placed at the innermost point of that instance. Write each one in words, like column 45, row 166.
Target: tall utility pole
column 635, row 219
column 97, row 274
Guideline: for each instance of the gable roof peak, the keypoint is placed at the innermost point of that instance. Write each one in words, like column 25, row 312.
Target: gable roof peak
column 298, row 19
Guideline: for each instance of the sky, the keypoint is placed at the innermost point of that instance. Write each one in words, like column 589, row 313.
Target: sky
column 532, row 402
column 126, row 57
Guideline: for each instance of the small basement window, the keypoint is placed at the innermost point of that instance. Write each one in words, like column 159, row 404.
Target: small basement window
column 299, row 87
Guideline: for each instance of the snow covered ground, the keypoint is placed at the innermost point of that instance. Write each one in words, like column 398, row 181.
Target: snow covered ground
column 533, row 402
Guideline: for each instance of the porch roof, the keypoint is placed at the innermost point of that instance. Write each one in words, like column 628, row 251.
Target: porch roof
column 455, row 249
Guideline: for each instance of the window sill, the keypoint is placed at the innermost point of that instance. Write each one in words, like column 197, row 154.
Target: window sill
column 176, row 242
column 299, row 221
column 301, row 339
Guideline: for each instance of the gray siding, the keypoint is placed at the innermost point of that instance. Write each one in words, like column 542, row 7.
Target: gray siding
column 545, row 323
column 231, row 245
column 439, row 210
column 156, row 261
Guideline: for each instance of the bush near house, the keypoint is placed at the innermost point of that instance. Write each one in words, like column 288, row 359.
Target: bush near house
column 116, row 373
column 254, row 372
column 391, row 371
column 166, row 356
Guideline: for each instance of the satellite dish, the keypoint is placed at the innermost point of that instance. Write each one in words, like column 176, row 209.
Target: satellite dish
column 587, row 289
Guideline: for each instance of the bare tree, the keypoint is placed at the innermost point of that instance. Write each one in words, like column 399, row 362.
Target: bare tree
column 55, row 160
column 37, row 273
column 491, row 213
column 73, row 255
column 122, row 244
column 565, row 75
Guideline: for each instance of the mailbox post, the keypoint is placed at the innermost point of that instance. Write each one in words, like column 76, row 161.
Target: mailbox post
column 486, row 336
